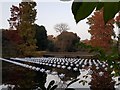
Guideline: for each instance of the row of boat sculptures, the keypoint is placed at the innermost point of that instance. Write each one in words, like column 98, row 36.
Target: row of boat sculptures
column 44, row 64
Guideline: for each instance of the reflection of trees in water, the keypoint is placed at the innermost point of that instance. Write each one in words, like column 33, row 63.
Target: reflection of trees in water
column 69, row 74
column 25, row 78
column 21, row 77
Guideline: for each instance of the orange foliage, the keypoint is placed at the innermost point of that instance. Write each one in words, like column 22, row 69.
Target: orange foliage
column 100, row 32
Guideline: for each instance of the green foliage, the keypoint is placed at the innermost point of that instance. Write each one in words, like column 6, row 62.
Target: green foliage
column 83, row 47
column 110, row 10
column 78, row 9
column 99, row 5
column 41, row 37
column 82, row 10
column 51, row 46
column 112, row 58
column 26, row 28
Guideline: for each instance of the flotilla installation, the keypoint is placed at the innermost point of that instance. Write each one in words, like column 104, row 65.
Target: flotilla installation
column 74, row 64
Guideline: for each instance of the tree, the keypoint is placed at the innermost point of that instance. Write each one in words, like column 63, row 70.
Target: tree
column 109, row 12
column 15, row 17
column 101, row 33
column 66, row 41
column 26, row 27
column 23, row 18
column 41, row 37
column 61, row 27
column 51, row 43
column 10, row 40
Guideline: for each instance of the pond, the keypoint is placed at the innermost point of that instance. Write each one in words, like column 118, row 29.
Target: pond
column 21, row 77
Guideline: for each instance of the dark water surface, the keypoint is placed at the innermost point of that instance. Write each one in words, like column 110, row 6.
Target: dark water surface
column 26, row 78
column 22, row 77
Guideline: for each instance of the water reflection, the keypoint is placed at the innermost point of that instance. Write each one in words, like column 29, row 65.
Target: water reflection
column 26, row 78
column 33, row 79
column 21, row 77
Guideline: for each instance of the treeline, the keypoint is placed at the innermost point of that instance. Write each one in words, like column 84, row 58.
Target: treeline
column 64, row 42
column 26, row 38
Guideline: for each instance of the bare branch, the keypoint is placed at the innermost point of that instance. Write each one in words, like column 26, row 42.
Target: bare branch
column 61, row 27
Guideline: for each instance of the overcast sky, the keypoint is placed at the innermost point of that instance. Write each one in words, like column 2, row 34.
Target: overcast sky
column 49, row 14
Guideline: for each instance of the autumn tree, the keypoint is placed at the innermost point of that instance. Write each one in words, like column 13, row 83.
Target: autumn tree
column 101, row 33
column 10, row 40
column 66, row 41
column 14, row 20
column 23, row 18
column 61, row 27
column 109, row 12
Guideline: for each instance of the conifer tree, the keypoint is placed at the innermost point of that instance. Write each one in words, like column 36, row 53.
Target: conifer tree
column 26, row 27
